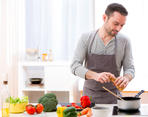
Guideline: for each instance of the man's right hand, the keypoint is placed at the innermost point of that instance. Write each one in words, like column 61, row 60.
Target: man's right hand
column 103, row 77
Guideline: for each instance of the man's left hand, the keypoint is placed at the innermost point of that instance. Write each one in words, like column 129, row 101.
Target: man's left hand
column 122, row 81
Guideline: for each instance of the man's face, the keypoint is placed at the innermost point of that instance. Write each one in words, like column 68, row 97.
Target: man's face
column 114, row 23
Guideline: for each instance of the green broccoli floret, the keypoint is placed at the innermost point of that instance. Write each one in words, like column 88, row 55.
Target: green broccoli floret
column 50, row 95
column 49, row 102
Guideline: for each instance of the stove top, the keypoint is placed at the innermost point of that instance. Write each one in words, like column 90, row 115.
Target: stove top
column 142, row 111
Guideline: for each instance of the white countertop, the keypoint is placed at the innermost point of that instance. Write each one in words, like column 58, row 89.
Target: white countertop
column 53, row 114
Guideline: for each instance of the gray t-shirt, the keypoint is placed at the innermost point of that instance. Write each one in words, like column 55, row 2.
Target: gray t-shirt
column 123, row 54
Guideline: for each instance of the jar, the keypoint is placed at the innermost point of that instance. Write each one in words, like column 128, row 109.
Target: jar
column 44, row 57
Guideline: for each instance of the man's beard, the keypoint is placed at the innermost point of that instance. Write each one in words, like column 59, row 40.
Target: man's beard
column 111, row 33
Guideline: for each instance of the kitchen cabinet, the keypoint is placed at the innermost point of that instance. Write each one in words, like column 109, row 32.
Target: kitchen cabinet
column 56, row 78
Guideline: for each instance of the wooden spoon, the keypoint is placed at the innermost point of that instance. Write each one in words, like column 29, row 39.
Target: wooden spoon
column 112, row 93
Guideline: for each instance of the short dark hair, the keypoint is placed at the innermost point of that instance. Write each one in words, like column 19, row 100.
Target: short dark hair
column 111, row 8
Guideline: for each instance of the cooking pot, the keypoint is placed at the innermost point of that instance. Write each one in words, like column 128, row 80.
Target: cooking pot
column 130, row 103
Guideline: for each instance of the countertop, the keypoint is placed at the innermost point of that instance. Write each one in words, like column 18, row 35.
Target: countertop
column 53, row 114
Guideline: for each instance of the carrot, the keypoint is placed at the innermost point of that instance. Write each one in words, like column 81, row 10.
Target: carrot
column 83, row 112
column 78, row 114
column 89, row 113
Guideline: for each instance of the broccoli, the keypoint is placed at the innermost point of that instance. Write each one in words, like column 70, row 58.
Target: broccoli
column 49, row 102
column 50, row 95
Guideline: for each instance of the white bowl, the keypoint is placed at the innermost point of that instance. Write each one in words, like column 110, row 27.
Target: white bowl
column 101, row 112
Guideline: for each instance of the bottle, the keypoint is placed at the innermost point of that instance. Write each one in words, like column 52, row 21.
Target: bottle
column 50, row 55
column 44, row 57
column 119, row 88
column 5, row 99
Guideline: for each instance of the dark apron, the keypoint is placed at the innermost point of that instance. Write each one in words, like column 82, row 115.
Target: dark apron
column 100, row 63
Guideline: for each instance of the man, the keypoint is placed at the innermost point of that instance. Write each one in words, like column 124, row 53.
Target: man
column 105, row 52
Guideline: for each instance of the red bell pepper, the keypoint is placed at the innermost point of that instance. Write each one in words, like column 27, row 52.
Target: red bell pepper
column 85, row 101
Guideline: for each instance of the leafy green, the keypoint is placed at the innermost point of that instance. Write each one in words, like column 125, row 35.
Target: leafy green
column 70, row 112
column 17, row 100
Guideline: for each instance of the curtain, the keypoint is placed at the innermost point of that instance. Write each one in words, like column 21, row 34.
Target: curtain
column 12, row 36
column 57, row 25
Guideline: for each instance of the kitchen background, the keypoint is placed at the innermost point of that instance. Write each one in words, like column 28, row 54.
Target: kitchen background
column 32, row 29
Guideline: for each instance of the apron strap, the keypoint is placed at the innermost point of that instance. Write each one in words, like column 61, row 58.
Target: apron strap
column 90, row 45
column 92, row 40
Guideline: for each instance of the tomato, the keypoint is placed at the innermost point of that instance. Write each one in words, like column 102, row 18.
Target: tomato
column 39, row 108
column 68, row 105
column 30, row 109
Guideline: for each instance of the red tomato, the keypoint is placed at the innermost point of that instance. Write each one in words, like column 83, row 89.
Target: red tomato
column 39, row 108
column 30, row 109
column 68, row 105
column 73, row 104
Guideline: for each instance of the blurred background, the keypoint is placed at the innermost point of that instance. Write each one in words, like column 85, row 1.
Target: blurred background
column 41, row 35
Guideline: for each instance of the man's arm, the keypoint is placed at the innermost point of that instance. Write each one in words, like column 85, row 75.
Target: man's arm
column 77, row 67
column 128, row 67
column 79, row 57
column 128, row 76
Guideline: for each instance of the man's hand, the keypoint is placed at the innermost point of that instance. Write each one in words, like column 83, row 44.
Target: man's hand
column 103, row 77
column 122, row 81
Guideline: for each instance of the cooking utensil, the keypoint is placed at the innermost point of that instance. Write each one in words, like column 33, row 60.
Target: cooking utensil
column 130, row 103
column 112, row 93
column 138, row 94
column 36, row 80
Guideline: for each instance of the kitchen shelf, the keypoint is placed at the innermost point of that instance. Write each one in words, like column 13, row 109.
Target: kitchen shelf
column 39, row 89
column 33, row 89
column 44, row 63
column 56, row 78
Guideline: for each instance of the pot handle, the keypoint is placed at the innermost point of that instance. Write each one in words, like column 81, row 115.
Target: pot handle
column 138, row 94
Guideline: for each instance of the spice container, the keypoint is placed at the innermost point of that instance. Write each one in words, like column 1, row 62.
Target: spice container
column 50, row 55
column 44, row 57
column 119, row 88
column 32, row 54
